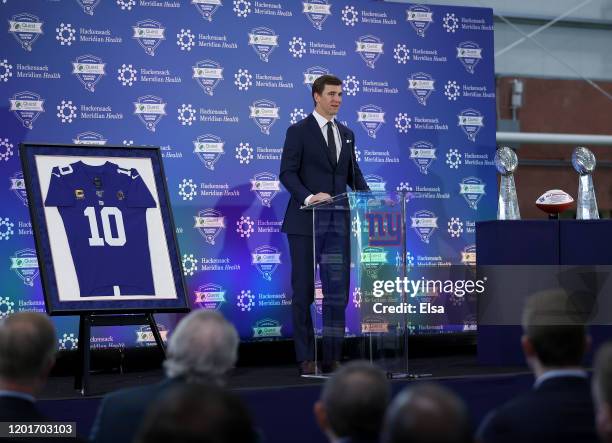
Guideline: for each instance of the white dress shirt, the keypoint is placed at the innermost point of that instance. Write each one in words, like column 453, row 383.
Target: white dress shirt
column 322, row 121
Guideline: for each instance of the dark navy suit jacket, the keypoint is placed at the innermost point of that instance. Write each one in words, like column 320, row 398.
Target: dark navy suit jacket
column 559, row 410
column 121, row 413
column 307, row 167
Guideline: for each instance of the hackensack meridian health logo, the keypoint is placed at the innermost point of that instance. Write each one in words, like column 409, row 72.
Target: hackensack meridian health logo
column 265, row 185
column 317, row 11
column 150, row 109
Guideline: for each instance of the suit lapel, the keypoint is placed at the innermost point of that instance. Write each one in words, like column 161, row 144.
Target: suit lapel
column 319, row 136
column 344, row 136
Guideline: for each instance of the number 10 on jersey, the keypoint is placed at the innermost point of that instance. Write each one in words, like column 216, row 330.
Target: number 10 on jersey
column 105, row 214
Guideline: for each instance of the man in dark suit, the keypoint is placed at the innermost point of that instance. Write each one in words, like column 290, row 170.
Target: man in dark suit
column 203, row 347
column 27, row 354
column 559, row 407
column 318, row 162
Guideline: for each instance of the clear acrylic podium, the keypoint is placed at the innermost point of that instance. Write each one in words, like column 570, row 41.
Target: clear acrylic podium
column 359, row 242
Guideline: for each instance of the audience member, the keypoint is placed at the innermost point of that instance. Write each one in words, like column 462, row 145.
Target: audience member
column 602, row 392
column 203, row 347
column 426, row 413
column 27, row 354
column 197, row 414
column 559, row 407
column 353, row 403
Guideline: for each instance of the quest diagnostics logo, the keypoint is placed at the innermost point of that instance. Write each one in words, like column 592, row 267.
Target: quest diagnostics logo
column 26, row 28
column 371, row 118
column 88, row 6
column 207, row 8
column 209, row 223
column 420, row 18
column 369, row 48
column 208, row 74
column 266, row 259
column 264, row 113
column 150, row 109
column 317, row 11
column 263, row 41
column 266, row 186
column 25, row 264
column 209, row 148
column 149, row 34
column 26, row 106
column 89, row 69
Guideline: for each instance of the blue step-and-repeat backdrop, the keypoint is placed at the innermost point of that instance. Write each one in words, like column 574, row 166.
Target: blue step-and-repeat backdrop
column 215, row 84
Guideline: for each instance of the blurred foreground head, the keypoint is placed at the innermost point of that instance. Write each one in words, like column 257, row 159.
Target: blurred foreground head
column 197, row 413
column 353, row 402
column 203, row 347
column 426, row 413
column 27, row 350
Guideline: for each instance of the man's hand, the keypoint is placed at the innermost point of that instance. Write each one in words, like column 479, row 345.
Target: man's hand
column 319, row 197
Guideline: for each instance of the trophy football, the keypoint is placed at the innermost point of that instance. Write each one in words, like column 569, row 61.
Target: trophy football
column 507, row 206
column 584, row 163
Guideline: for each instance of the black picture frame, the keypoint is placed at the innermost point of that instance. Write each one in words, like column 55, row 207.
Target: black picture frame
column 38, row 161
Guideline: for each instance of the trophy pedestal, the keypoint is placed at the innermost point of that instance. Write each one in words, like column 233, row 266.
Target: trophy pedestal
column 536, row 242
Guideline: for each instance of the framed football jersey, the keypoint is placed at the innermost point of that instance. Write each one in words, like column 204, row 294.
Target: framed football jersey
column 105, row 236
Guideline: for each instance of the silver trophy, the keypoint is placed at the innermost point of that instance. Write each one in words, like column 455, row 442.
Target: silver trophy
column 507, row 206
column 584, row 163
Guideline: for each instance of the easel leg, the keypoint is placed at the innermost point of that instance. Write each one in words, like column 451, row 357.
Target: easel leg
column 156, row 334
column 84, row 339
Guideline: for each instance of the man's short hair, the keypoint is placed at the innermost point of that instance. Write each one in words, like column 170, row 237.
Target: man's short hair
column 203, row 347
column 27, row 346
column 427, row 413
column 554, row 328
column 355, row 399
column 319, row 84
column 602, row 377
column 197, row 413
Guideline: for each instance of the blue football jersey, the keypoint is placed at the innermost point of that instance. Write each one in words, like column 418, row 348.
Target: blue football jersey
column 104, row 213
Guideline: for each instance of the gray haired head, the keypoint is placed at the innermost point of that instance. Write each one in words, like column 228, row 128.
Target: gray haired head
column 203, row 347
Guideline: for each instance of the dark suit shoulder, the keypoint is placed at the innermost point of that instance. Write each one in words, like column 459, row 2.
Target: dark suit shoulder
column 559, row 410
column 136, row 395
column 18, row 409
